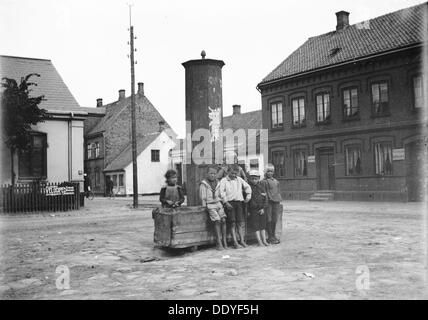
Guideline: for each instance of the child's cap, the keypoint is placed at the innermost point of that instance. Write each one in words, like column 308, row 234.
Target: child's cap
column 269, row 166
column 254, row 173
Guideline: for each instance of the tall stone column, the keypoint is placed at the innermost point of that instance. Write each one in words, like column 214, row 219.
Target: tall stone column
column 204, row 110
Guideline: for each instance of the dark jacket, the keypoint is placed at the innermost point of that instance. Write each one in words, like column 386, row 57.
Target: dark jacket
column 163, row 199
column 258, row 201
column 109, row 184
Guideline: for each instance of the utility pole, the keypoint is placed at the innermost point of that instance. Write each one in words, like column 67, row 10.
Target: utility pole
column 133, row 117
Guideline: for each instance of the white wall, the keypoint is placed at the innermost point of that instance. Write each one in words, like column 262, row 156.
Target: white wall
column 58, row 134
column 57, row 151
column 150, row 174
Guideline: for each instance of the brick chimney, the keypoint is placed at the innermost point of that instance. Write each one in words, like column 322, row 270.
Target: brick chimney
column 99, row 102
column 121, row 94
column 141, row 89
column 342, row 20
column 161, row 126
column 236, row 109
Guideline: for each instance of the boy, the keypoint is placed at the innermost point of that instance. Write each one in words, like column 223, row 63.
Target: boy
column 231, row 188
column 256, row 207
column 209, row 191
column 274, row 199
column 171, row 195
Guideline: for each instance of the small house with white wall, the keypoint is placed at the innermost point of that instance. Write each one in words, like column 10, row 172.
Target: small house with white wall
column 108, row 140
column 153, row 160
column 56, row 153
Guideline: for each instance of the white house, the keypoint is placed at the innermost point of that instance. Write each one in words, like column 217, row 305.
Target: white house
column 153, row 160
column 56, row 154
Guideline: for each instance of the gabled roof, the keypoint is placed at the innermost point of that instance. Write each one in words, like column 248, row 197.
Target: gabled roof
column 151, row 115
column 399, row 29
column 50, row 84
column 125, row 157
column 248, row 120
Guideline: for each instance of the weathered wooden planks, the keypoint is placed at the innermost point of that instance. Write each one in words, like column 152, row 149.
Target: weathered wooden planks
column 191, row 226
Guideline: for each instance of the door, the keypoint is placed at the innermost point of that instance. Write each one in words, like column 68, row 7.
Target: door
column 325, row 169
column 179, row 174
column 415, row 157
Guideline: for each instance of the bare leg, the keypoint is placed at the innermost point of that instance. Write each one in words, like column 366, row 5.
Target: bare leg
column 218, row 235
column 263, row 237
column 224, row 233
column 233, row 232
column 241, row 234
column 259, row 240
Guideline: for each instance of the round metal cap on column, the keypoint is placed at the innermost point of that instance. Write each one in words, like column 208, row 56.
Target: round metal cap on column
column 204, row 110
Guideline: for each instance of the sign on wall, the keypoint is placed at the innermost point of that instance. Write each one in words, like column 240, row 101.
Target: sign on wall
column 311, row 159
column 398, row 154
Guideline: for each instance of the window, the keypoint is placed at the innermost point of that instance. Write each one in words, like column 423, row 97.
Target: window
column 97, row 177
column 254, row 164
column 97, row 149
column 278, row 160
column 114, row 180
column 32, row 162
column 323, row 107
column 298, row 112
column 89, row 150
column 300, row 163
column 353, row 160
column 155, row 155
column 380, row 98
column 120, row 180
column 418, row 92
column 350, row 103
column 276, row 115
column 383, row 158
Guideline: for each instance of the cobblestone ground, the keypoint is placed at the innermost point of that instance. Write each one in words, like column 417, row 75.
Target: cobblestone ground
column 108, row 250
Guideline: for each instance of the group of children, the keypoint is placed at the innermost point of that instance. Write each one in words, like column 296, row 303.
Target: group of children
column 228, row 197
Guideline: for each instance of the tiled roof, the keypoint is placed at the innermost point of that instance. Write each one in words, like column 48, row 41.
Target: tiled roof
column 98, row 111
column 395, row 30
column 248, row 120
column 125, row 157
column 151, row 115
column 50, row 84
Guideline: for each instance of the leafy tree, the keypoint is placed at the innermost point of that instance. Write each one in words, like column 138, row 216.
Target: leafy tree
column 19, row 113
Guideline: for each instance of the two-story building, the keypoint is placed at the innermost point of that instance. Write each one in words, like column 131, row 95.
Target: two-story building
column 346, row 111
column 108, row 140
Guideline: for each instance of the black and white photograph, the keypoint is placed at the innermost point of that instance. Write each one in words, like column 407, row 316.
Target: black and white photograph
column 230, row 152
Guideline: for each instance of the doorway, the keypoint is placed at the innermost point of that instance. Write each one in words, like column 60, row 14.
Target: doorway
column 178, row 168
column 325, row 169
column 416, row 158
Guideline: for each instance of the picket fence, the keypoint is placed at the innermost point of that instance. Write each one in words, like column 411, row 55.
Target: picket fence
column 40, row 197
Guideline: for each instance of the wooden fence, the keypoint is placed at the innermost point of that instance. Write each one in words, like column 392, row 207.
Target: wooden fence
column 38, row 197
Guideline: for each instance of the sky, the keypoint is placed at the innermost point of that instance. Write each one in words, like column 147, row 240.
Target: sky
column 87, row 41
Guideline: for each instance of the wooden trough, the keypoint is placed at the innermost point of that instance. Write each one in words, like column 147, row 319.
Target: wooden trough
column 191, row 227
